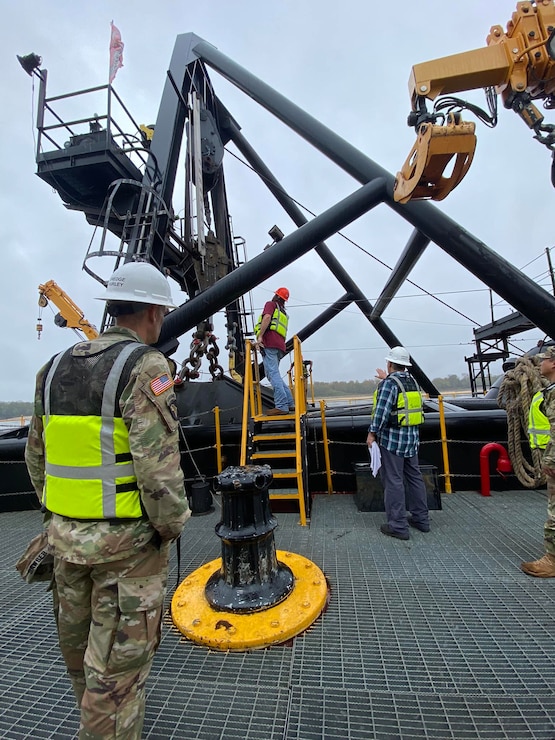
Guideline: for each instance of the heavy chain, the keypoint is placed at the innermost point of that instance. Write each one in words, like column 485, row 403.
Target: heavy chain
column 231, row 345
column 203, row 345
column 545, row 134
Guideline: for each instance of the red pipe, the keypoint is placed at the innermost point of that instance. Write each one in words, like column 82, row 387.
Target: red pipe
column 503, row 465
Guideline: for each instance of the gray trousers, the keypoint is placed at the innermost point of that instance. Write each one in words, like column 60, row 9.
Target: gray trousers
column 404, row 489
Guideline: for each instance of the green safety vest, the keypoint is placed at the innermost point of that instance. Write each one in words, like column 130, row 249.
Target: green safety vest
column 89, row 467
column 278, row 322
column 409, row 411
column 538, row 423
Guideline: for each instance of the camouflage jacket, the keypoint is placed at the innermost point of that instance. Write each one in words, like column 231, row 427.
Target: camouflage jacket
column 549, row 411
column 152, row 422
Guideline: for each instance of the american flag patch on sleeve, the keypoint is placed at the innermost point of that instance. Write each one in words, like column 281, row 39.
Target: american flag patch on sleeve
column 161, row 384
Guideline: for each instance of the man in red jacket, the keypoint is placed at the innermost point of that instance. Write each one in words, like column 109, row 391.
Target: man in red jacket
column 271, row 331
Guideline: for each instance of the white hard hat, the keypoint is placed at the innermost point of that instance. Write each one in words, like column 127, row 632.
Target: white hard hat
column 399, row 356
column 138, row 282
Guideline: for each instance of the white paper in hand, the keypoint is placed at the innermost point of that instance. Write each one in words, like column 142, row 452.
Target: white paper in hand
column 375, row 458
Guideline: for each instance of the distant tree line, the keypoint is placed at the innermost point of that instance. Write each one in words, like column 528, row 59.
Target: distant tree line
column 13, row 409
column 452, row 383
column 348, row 388
column 352, row 388
column 335, row 389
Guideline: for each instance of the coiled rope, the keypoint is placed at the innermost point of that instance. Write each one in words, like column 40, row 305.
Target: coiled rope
column 515, row 396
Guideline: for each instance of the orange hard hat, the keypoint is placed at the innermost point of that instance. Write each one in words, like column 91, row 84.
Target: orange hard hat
column 283, row 293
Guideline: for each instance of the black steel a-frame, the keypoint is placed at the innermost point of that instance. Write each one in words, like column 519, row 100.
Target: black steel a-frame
column 187, row 72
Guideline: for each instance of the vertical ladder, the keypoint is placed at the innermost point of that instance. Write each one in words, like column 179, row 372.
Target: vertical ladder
column 279, row 441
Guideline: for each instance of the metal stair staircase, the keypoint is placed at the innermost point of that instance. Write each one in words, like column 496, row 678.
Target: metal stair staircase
column 278, row 441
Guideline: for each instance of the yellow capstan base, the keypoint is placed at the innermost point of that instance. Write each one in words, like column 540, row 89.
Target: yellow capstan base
column 195, row 618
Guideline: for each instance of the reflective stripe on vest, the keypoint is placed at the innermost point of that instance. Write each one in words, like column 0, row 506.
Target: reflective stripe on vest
column 538, row 424
column 278, row 322
column 409, row 411
column 101, row 487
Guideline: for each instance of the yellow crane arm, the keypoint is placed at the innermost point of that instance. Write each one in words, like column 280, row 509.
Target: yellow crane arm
column 519, row 63
column 70, row 314
column 468, row 70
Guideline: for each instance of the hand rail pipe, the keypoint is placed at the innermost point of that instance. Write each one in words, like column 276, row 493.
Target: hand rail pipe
column 503, row 465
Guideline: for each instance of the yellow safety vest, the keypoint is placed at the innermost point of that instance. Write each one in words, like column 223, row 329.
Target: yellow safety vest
column 278, row 322
column 409, row 411
column 89, row 467
column 538, row 424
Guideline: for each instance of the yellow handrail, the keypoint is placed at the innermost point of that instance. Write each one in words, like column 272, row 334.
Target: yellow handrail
column 216, row 410
column 247, row 396
column 444, row 449
column 300, row 410
column 326, row 443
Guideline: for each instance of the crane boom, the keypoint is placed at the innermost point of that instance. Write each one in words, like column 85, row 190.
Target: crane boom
column 518, row 64
column 70, row 314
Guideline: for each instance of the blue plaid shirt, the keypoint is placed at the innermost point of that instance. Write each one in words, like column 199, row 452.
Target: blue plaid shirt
column 401, row 441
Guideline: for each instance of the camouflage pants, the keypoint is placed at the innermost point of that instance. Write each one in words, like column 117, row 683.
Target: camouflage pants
column 109, row 625
column 549, row 527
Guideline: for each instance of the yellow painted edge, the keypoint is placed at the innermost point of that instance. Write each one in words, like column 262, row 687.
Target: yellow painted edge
column 195, row 618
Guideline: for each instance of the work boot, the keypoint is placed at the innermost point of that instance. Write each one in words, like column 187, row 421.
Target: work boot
column 542, row 568
column 419, row 525
column 386, row 529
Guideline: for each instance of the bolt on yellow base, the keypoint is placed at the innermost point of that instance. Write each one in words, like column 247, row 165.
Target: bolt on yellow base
column 195, row 618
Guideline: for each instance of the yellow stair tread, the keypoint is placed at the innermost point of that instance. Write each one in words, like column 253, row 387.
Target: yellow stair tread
column 258, row 437
column 277, row 417
column 273, row 454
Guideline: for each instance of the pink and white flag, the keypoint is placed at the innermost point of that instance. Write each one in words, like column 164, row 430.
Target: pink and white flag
column 116, row 52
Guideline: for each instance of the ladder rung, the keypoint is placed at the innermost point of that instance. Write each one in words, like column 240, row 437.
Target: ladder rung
column 276, row 436
column 285, row 493
column 273, row 454
column 275, row 417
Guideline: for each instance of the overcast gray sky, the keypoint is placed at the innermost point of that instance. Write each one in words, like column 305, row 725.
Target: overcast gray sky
column 345, row 63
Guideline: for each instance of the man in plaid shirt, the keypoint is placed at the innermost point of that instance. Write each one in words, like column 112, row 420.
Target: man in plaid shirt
column 398, row 437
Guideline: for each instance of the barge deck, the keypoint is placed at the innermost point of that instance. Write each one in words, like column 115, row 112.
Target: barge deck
column 439, row 637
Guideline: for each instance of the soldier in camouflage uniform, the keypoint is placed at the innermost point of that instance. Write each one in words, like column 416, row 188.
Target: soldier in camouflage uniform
column 545, row 566
column 111, row 562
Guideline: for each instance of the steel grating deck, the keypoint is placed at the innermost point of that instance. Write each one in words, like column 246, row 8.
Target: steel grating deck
column 440, row 637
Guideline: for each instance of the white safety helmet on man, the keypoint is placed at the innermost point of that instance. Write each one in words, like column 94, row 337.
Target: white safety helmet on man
column 138, row 282
column 399, row 356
